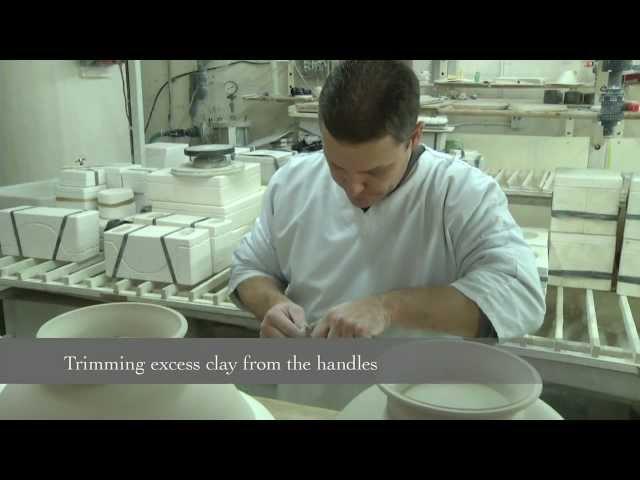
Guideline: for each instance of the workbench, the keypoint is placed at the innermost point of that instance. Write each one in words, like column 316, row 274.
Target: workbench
column 282, row 410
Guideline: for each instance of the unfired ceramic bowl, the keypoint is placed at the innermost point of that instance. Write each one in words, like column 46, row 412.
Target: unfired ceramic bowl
column 515, row 384
column 122, row 401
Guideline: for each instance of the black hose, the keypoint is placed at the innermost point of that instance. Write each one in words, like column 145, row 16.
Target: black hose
column 155, row 99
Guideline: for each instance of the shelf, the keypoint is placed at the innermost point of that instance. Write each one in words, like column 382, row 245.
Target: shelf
column 546, row 86
column 564, row 114
column 277, row 98
column 447, row 129
column 570, row 113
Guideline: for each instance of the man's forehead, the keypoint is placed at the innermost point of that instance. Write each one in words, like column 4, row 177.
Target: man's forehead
column 362, row 156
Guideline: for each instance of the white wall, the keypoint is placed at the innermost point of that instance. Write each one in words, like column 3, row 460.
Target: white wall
column 49, row 116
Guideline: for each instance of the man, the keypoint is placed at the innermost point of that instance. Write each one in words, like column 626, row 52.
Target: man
column 379, row 235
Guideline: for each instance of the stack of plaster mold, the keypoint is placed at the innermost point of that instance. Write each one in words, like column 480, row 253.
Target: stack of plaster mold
column 584, row 221
column 223, row 238
column 220, row 194
column 164, row 155
column 79, row 187
column 133, row 177
column 629, row 271
column 269, row 160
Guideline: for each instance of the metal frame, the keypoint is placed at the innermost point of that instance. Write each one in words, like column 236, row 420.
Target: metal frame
column 617, row 369
column 588, row 365
column 208, row 300
column 525, row 182
column 592, row 353
column 137, row 111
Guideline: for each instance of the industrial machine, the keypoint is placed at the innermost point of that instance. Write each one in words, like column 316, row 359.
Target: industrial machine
column 207, row 161
column 612, row 98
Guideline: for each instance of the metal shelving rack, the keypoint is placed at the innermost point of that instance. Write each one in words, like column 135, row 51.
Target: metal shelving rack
column 591, row 364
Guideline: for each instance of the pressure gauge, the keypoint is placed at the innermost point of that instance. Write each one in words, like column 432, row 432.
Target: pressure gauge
column 231, row 87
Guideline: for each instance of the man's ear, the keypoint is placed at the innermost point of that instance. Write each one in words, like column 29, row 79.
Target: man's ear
column 416, row 137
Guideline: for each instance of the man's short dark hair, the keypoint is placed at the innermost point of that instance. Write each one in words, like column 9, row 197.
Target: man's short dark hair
column 366, row 100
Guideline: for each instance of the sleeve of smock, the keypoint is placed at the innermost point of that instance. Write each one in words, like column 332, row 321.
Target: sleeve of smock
column 256, row 255
column 496, row 269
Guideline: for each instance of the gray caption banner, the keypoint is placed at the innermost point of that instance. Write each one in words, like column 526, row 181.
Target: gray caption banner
column 248, row 361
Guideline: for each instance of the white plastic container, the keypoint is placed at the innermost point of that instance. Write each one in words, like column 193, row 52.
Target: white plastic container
column 83, row 198
column 82, row 176
column 572, row 252
column 39, row 233
column 269, row 160
column 163, row 186
column 242, row 212
column 579, row 192
column 115, row 203
column 632, row 221
column 188, row 253
column 165, row 155
column 629, row 272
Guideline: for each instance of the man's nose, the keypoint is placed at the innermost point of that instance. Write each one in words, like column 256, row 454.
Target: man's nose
column 355, row 188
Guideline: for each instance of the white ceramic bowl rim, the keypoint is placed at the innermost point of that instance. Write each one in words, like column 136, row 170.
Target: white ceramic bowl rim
column 534, row 384
column 181, row 321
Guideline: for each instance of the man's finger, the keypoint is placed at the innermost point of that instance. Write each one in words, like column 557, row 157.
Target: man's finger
column 321, row 330
column 285, row 324
column 347, row 330
column 296, row 313
column 270, row 332
column 333, row 331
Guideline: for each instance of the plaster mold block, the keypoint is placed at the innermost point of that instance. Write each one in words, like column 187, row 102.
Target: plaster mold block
column 586, row 201
column 50, row 233
column 116, row 203
column 217, row 191
column 82, row 176
column 269, row 160
column 571, row 253
column 142, row 255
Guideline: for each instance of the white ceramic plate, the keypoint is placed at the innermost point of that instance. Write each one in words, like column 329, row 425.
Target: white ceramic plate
column 259, row 410
column 371, row 405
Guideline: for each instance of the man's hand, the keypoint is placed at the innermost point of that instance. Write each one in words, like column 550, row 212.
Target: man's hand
column 363, row 318
column 285, row 319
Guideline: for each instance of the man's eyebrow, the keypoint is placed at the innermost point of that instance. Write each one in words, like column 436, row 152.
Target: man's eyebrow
column 379, row 167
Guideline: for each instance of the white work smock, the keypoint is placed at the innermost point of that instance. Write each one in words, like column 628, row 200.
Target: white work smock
column 448, row 223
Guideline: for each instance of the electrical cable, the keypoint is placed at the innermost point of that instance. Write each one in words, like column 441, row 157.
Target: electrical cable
column 128, row 108
column 124, row 94
column 176, row 77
